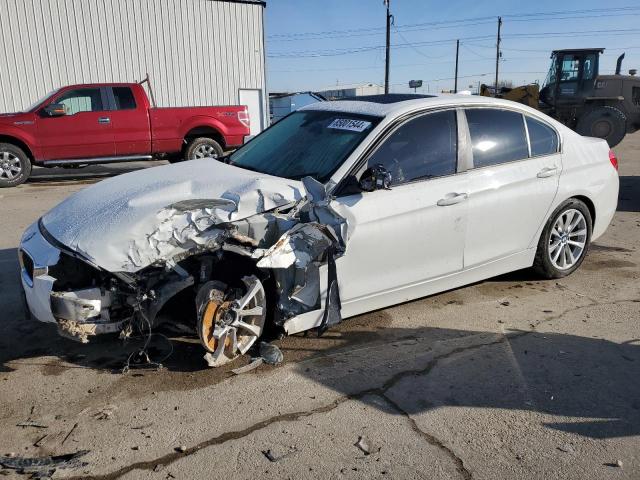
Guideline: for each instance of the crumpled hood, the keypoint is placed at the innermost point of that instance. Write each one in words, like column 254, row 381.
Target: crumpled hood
column 107, row 221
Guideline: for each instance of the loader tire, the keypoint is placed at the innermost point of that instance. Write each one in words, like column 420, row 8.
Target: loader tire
column 604, row 122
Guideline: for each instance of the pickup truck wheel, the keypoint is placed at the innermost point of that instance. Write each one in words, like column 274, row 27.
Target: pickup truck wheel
column 203, row 147
column 15, row 166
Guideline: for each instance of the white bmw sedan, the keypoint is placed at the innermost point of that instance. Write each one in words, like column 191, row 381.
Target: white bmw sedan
column 338, row 209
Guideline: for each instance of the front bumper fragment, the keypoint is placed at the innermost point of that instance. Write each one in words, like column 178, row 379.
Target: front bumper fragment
column 79, row 314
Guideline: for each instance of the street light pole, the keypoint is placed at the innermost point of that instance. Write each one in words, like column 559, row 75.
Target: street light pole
column 386, row 65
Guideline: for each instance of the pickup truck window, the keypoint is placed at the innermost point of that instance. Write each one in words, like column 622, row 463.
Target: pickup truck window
column 306, row 143
column 81, row 100
column 124, row 98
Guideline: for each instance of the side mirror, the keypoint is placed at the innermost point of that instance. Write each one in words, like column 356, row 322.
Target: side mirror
column 375, row 178
column 55, row 110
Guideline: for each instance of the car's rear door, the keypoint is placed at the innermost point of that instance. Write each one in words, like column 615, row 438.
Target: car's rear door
column 129, row 121
column 414, row 232
column 512, row 184
column 83, row 132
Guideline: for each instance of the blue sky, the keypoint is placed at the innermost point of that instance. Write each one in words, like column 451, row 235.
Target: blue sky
column 308, row 40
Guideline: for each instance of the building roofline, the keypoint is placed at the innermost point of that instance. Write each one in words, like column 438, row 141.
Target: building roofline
column 262, row 3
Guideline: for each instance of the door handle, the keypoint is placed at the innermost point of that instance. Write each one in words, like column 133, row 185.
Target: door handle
column 104, row 120
column 452, row 199
column 547, row 172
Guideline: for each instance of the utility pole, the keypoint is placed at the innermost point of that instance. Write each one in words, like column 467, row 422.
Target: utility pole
column 495, row 93
column 386, row 65
column 455, row 86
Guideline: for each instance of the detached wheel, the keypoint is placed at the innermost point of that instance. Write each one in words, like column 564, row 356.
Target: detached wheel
column 203, row 147
column 564, row 241
column 15, row 166
column 604, row 122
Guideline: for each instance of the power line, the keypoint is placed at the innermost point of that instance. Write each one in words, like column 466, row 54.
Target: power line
column 522, row 17
column 345, row 51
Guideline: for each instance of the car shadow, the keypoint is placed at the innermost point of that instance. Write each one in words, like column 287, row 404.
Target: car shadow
column 629, row 196
column 41, row 176
column 588, row 383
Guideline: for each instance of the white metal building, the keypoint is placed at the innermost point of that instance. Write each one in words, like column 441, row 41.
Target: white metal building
column 197, row 52
column 355, row 90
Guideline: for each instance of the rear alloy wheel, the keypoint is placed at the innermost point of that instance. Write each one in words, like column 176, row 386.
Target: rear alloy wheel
column 230, row 320
column 203, row 147
column 604, row 122
column 15, row 166
column 564, row 241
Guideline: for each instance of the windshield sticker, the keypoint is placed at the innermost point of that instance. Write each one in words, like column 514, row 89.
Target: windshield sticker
column 350, row 125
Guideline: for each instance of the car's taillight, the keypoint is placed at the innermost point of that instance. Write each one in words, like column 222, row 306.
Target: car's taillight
column 613, row 159
column 243, row 118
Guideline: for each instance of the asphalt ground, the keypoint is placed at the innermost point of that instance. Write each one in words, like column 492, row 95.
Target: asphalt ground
column 512, row 377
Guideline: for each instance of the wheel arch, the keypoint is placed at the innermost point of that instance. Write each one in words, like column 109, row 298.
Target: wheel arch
column 18, row 143
column 204, row 131
column 590, row 206
column 228, row 267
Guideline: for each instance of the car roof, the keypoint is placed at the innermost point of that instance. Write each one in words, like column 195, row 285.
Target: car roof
column 365, row 105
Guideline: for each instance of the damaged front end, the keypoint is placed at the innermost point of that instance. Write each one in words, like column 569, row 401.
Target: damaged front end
column 240, row 272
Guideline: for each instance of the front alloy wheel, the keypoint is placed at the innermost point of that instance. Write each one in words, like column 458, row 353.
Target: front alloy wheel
column 15, row 166
column 10, row 166
column 230, row 320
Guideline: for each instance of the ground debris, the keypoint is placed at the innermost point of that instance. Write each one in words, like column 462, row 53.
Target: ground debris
column 30, row 423
column 105, row 413
column 255, row 363
column 271, row 354
column 44, row 467
column 363, row 445
column 565, row 448
column 69, row 434
column 276, row 458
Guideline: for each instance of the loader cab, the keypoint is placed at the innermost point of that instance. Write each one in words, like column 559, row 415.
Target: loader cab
column 571, row 77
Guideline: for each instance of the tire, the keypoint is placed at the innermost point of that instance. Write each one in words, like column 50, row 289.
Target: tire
column 15, row 165
column 553, row 243
column 202, row 147
column 604, row 122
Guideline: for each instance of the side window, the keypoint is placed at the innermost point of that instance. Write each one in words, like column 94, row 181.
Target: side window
column 543, row 139
column 81, row 100
column 589, row 67
column 422, row 148
column 497, row 136
column 124, row 98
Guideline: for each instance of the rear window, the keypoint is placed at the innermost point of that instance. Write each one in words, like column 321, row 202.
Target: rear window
column 124, row 98
column 543, row 138
column 497, row 136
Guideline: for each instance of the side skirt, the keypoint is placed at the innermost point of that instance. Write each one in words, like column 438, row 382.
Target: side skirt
column 358, row 306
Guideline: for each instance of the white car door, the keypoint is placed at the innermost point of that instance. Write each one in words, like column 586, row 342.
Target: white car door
column 512, row 184
column 414, row 231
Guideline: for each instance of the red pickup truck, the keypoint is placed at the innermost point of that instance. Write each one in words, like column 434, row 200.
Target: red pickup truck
column 111, row 122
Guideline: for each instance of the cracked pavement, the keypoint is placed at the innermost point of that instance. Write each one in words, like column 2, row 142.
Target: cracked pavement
column 507, row 378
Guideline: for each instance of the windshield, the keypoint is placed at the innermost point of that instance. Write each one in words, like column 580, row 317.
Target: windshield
column 307, row 143
column 35, row 105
